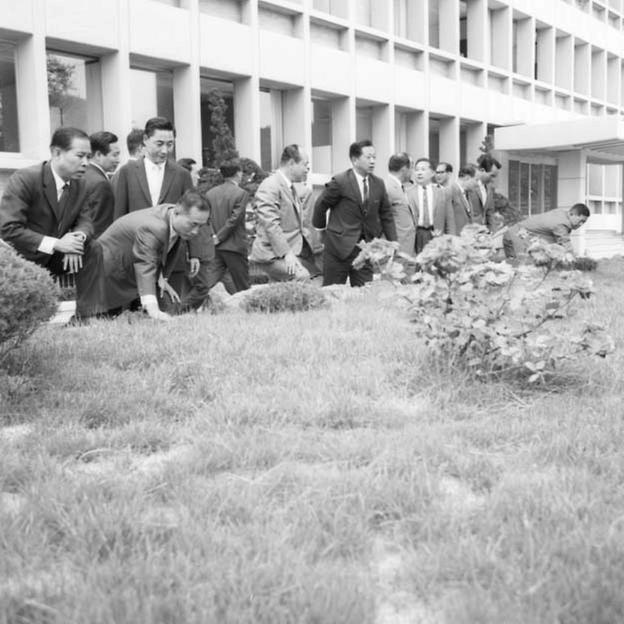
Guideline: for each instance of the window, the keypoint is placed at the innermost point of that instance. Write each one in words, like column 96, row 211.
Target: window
column 209, row 89
column 151, row 95
column 74, row 92
column 9, row 131
column 532, row 187
column 322, row 135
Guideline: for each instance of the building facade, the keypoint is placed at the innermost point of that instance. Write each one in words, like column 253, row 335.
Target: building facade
column 431, row 77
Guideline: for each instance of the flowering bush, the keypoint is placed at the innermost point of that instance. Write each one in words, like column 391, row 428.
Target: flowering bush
column 28, row 297
column 491, row 318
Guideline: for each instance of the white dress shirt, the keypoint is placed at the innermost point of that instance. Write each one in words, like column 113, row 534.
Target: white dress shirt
column 155, row 174
column 421, row 190
column 360, row 181
column 482, row 192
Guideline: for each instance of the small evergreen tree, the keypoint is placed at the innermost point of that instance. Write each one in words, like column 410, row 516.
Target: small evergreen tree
column 223, row 146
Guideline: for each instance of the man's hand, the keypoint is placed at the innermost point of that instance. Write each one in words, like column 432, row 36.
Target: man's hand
column 292, row 263
column 72, row 262
column 165, row 287
column 158, row 315
column 70, row 243
column 194, row 268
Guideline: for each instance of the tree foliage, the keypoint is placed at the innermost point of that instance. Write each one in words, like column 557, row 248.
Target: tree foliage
column 490, row 318
column 223, row 146
column 60, row 80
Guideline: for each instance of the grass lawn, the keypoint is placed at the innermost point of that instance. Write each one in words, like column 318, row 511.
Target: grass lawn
column 305, row 468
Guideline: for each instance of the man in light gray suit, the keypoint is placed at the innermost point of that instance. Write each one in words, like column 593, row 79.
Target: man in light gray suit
column 434, row 213
column 137, row 254
column 282, row 247
column 397, row 185
column 458, row 195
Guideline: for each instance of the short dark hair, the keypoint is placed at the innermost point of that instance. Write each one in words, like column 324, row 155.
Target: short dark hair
column 487, row 161
column 192, row 198
column 291, row 152
column 158, row 123
column 63, row 137
column 427, row 160
column 187, row 163
column 448, row 168
column 101, row 141
column 134, row 140
column 356, row 149
column 580, row 209
column 398, row 161
column 467, row 171
column 229, row 168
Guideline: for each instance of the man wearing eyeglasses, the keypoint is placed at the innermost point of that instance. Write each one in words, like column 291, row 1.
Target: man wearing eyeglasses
column 443, row 174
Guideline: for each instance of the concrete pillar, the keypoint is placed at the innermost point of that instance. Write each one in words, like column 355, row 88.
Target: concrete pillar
column 116, row 78
column 546, row 54
column 501, row 38
column 564, row 61
column 383, row 135
column 247, row 117
column 572, row 187
column 477, row 33
column 525, row 47
column 449, row 25
column 417, row 130
column 32, row 89
column 475, row 133
column 295, row 112
column 187, row 92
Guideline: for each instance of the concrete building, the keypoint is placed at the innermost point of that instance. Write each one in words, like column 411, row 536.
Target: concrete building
column 427, row 76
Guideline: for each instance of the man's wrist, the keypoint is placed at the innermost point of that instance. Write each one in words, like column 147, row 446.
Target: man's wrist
column 47, row 245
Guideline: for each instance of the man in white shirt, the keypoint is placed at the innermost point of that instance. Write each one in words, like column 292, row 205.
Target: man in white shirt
column 428, row 201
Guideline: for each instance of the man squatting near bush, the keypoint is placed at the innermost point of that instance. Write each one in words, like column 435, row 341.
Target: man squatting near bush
column 46, row 213
column 553, row 226
column 138, row 253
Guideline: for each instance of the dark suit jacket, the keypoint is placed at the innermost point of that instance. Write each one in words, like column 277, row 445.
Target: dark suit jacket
column 29, row 211
column 102, row 199
column 135, row 251
column 132, row 193
column 460, row 206
column 349, row 221
column 228, row 202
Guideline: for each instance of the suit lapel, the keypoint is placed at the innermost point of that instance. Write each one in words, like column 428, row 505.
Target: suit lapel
column 142, row 179
column 49, row 186
column 355, row 187
column 293, row 200
column 168, row 177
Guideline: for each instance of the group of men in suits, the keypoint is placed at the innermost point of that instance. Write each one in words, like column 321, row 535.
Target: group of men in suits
column 145, row 233
column 133, row 237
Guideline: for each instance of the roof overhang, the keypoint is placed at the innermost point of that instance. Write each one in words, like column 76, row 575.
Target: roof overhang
column 602, row 138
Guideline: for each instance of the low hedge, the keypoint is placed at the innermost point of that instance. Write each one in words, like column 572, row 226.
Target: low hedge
column 285, row 297
column 28, row 297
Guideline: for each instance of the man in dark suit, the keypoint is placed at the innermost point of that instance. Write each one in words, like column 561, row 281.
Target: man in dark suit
column 282, row 244
column 138, row 253
column 359, row 209
column 45, row 213
column 433, row 214
column 458, row 194
column 105, row 153
column 227, row 203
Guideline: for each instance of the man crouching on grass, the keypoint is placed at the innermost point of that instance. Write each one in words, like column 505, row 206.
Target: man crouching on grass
column 137, row 253
column 553, row 226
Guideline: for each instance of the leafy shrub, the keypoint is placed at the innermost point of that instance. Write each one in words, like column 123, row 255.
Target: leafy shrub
column 491, row 318
column 285, row 297
column 585, row 264
column 28, row 297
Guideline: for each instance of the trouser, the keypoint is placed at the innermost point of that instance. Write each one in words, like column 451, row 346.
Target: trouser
column 336, row 270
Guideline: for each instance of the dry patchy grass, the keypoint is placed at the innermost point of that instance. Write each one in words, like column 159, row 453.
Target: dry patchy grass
column 304, row 468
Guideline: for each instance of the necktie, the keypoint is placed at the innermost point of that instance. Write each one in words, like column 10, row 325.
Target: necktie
column 426, row 221
column 365, row 191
